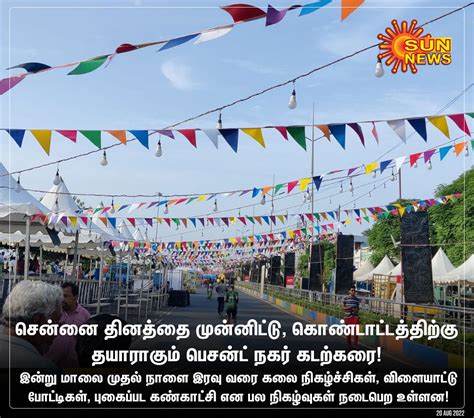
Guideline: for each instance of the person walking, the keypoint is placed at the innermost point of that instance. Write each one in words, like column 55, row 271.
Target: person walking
column 350, row 305
column 221, row 293
column 209, row 291
column 232, row 300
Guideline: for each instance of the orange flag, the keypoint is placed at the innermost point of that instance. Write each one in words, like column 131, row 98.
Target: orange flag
column 349, row 6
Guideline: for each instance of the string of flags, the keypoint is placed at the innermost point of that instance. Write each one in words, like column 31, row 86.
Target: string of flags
column 336, row 131
column 240, row 13
column 357, row 214
column 291, row 186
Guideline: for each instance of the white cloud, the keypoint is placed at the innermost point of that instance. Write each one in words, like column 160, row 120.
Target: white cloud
column 179, row 75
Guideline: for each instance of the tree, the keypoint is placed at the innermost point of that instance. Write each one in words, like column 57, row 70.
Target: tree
column 453, row 223
column 329, row 257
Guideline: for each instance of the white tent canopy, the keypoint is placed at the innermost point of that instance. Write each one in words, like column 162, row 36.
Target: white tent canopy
column 383, row 268
column 441, row 266
column 396, row 271
column 137, row 235
column 365, row 268
column 464, row 273
column 15, row 206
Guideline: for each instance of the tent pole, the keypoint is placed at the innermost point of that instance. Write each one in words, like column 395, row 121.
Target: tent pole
column 41, row 262
column 74, row 260
column 27, row 249
column 99, row 295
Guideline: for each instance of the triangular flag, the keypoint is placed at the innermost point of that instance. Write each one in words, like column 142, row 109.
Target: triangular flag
column 401, row 211
column 278, row 187
column 266, row 189
column 419, row 125
column 443, row 151
column 193, row 220
column 440, row 123
column 17, row 135
column 10, row 82
column 460, row 121
column 73, row 220
column 282, row 130
column 212, row 34
column 298, row 134
column 370, row 167
column 132, row 221
column 273, row 219
column 312, row 7
column 374, row 132
column 399, row 162
column 44, row 138
column 255, row 192
column 104, row 220
column 258, row 219
column 414, row 158
column 149, row 221
column 84, row 220
column 213, row 135
column 243, row 12
column 242, row 219
column 85, row 67
column 190, row 135
column 178, row 41
column 458, row 148
column 72, row 135
column 250, row 218
column 358, row 130
column 339, row 132
column 93, row 136
column 348, row 7
column 231, row 136
column 120, row 135
column 291, row 185
column 274, row 16
column 168, row 221
column 384, row 165
column 325, row 130
column 317, row 181
column 113, row 222
column 255, row 133
column 142, row 137
column 304, row 183
column 398, row 125
column 266, row 219
column 428, row 154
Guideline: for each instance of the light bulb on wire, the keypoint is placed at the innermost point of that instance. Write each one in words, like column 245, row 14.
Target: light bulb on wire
column 215, row 206
column 18, row 185
column 263, row 201
column 158, row 151
column 379, row 71
column 112, row 209
column 292, row 103
column 467, row 151
column 374, row 174
column 393, row 178
column 57, row 178
column 341, row 188
column 219, row 122
column 351, row 187
column 166, row 209
column 56, row 206
column 429, row 166
column 103, row 161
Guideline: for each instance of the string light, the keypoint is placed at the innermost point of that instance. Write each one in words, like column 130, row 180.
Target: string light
column 103, row 161
column 374, row 174
column 215, row 206
column 18, row 185
column 292, row 103
column 112, row 209
column 56, row 206
column 341, row 188
column 57, row 178
column 379, row 71
column 166, row 209
column 219, row 122
column 429, row 165
column 351, row 187
column 159, row 150
column 263, row 201
column 467, row 151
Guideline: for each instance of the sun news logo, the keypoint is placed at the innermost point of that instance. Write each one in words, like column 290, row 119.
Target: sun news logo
column 406, row 47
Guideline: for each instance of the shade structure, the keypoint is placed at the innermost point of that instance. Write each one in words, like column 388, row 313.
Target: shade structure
column 382, row 268
column 138, row 236
column 365, row 268
column 16, row 206
column 441, row 266
column 464, row 273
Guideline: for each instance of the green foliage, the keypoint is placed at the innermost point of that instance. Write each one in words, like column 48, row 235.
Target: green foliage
column 450, row 224
column 302, row 265
column 454, row 222
column 329, row 250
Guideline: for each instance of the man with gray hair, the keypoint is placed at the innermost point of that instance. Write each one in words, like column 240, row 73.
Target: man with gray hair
column 31, row 302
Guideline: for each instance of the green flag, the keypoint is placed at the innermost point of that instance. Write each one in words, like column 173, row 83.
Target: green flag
column 298, row 134
column 93, row 136
column 88, row 66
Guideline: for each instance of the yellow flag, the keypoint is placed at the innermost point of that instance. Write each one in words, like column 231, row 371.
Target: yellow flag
column 281, row 218
column 201, row 198
column 160, row 220
column 291, row 234
column 255, row 133
column 304, row 183
column 347, row 221
column 440, row 123
column 370, row 167
column 401, row 210
column 43, row 137
column 73, row 220
column 232, row 240
column 232, row 220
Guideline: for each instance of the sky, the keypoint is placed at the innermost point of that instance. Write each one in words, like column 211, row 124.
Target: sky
column 151, row 90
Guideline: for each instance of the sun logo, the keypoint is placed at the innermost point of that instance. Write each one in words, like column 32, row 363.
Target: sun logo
column 395, row 46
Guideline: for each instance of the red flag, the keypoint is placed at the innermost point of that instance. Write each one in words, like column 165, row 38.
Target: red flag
column 190, row 135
